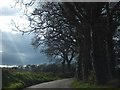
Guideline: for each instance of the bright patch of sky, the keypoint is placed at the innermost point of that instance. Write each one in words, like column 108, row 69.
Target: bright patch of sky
column 1, row 51
column 15, row 48
column 9, row 13
column 8, row 66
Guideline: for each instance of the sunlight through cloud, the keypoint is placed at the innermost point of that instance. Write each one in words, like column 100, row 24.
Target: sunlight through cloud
column 1, row 51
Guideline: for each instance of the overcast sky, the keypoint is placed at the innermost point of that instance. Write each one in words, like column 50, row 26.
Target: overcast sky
column 16, row 49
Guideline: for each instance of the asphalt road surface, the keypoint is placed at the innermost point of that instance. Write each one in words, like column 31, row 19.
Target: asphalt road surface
column 63, row 83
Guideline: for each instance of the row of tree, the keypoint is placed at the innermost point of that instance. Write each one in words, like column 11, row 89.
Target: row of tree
column 53, row 68
column 81, row 32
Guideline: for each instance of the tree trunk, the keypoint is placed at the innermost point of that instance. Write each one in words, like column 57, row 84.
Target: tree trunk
column 69, row 66
column 79, row 62
column 100, row 59
column 110, row 45
column 112, row 57
column 63, row 66
column 87, row 62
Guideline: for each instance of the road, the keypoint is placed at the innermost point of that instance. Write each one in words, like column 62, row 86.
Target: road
column 63, row 83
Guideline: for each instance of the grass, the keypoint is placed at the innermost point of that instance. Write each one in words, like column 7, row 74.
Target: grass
column 18, row 80
column 77, row 84
column 16, row 85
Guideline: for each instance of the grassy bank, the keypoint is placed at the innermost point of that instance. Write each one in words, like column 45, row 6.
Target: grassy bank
column 18, row 80
column 78, row 84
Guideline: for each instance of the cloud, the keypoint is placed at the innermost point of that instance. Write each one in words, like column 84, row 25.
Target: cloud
column 10, row 59
column 18, row 51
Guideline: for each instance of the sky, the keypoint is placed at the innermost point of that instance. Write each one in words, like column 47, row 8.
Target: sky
column 15, row 48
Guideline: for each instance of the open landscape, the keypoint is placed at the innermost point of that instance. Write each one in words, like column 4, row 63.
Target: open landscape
column 60, row 44
column 22, row 77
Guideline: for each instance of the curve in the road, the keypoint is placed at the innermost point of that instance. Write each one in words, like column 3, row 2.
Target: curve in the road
column 64, row 83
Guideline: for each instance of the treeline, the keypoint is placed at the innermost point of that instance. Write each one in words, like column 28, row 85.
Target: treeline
column 54, row 68
column 83, row 32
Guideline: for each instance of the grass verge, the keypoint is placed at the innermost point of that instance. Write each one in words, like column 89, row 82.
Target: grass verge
column 18, row 80
column 77, row 84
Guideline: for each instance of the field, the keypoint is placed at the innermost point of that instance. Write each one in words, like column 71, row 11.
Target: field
column 18, row 80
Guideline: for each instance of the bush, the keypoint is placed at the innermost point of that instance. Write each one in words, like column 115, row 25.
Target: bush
column 66, row 75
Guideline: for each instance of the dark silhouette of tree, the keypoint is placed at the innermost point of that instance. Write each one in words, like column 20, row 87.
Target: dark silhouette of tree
column 58, row 34
column 79, row 29
column 98, row 17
